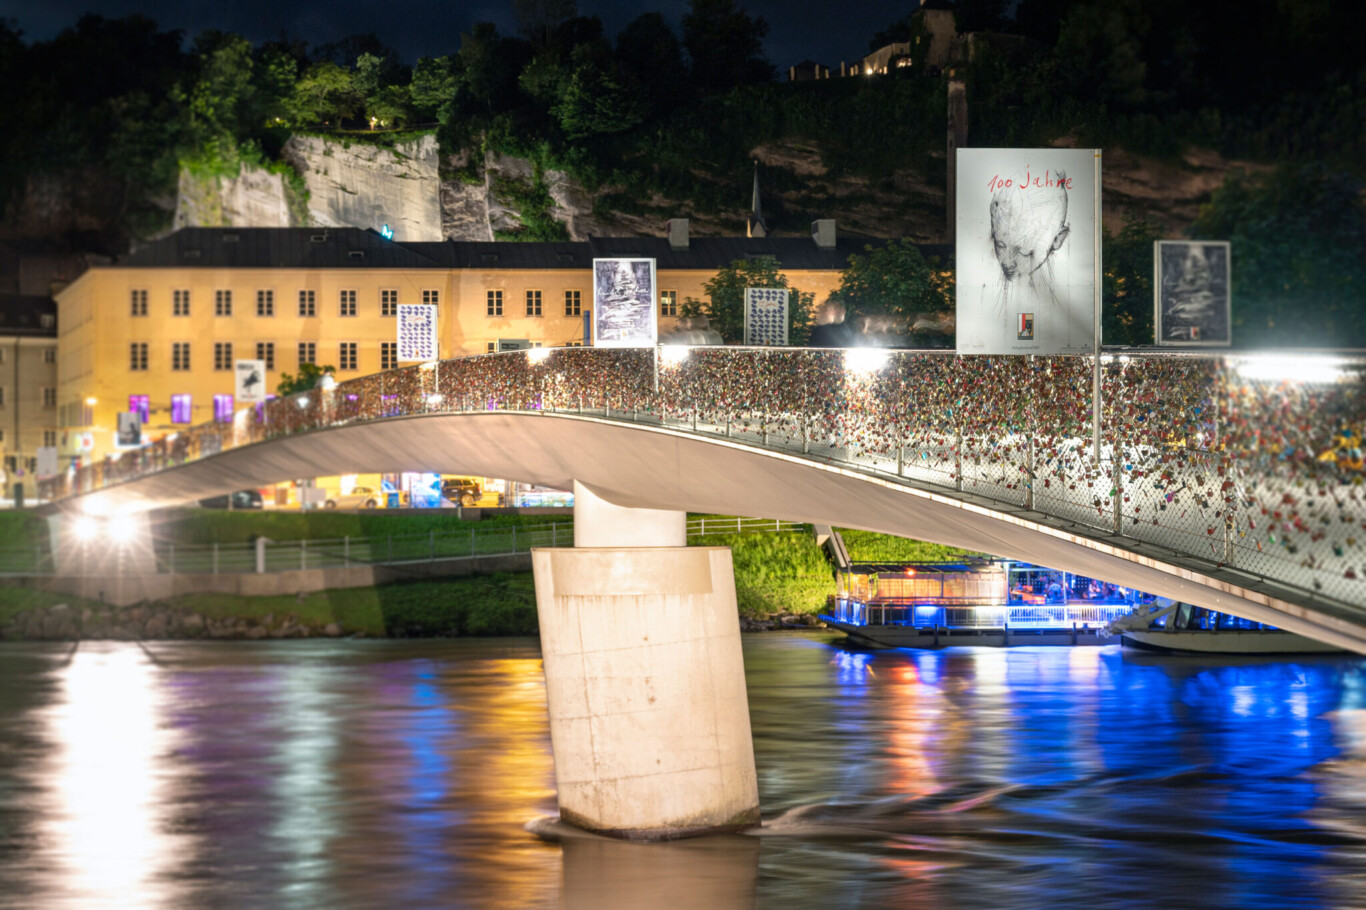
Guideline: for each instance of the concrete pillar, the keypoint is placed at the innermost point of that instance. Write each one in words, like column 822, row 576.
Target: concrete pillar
column 649, row 719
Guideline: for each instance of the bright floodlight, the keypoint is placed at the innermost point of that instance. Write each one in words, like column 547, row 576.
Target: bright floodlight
column 1290, row 368
column 303, row 402
column 85, row 528
column 538, row 355
column 862, row 361
column 674, row 354
column 328, row 382
column 121, row 529
column 435, row 399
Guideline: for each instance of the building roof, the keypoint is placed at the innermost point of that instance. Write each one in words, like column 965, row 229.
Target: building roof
column 329, row 248
column 23, row 315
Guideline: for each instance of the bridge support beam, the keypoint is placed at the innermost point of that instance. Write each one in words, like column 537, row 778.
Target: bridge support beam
column 649, row 718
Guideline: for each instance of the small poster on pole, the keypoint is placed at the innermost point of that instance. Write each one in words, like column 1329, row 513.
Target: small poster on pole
column 417, row 332
column 130, row 430
column 47, row 461
column 766, row 316
column 1191, row 306
column 250, row 378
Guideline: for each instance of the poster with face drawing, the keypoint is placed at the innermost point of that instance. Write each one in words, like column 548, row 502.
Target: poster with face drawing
column 1191, row 284
column 624, row 303
column 1026, row 251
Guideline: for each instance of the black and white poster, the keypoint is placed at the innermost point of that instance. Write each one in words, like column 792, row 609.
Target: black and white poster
column 624, row 314
column 251, row 381
column 766, row 316
column 417, row 332
column 130, row 430
column 1026, row 251
column 1191, row 300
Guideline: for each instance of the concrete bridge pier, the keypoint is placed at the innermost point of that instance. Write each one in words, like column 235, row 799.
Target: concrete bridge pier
column 649, row 719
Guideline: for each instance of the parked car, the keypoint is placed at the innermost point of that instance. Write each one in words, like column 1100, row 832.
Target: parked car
column 242, row 499
column 462, row 490
column 358, row 498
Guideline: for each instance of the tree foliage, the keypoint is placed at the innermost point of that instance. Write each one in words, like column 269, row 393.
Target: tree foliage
column 725, row 303
column 725, row 44
column 894, row 280
column 308, row 377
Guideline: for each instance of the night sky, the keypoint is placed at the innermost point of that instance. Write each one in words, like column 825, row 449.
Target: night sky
column 817, row 29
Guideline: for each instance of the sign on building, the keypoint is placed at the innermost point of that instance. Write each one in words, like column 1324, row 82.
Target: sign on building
column 130, row 430
column 417, row 331
column 624, row 314
column 1026, row 232
column 766, row 316
column 47, row 461
column 250, row 387
column 1191, row 299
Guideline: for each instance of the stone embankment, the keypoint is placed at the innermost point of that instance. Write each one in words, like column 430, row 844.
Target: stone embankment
column 152, row 622
column 777, row 621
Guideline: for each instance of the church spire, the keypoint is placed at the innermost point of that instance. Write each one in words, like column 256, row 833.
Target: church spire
column 757, row 227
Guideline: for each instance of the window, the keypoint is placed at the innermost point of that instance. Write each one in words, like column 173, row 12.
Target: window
column 388, row 302
column 388, row 355
column 180, row 355
column 180, row 302
column 265, row 303
column 182, row 411
column 265, row 350
column 347, row 355
column 47, row 320
column 138, row 299
column 49, row 438
column 222, row 408
column 137, row 356
column 140, row 405
column 308, row 303
column 49, row 355
column 573, row 303
column 495, row 303
column 492, row 347
column 431, row 296
column 49, row 397
column 533, row 303
column 222, row 302
column 668, row 303
column 2, row 396
column 348, row 303
column 222, row 355
column 308, row 352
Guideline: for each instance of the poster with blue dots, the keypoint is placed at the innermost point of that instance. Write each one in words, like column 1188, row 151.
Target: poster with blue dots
column 766, row 316
column 417, row 331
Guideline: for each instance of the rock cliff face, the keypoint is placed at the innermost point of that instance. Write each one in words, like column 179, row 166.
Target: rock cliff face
column 368, row 186
column 254, row 198
column 361, row 185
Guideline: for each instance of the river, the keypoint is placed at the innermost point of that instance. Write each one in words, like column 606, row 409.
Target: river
column 394, row 774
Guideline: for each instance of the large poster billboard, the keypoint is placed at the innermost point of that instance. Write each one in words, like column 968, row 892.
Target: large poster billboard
column 624, row 314
column 1026, row 251
column 1191, row 300
column 766, row 316
column 417, row 331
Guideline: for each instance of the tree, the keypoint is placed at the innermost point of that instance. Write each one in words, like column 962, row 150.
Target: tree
column 326, row 94
column 1297, row 237
column 216, row 104
column 538, row 19
column 310, row 374
column 432, row 90
column 491, row 64
column 894, row 280
column 649, row 52
column 726, row 46
column 725, row 304
column 594, row 101
column 1127, row 302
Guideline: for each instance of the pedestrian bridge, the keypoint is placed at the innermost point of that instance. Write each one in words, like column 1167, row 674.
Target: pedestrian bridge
column 1230, row 482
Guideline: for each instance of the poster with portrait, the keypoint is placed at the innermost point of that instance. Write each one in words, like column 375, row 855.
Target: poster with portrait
column 250, row 386
column 129, row 434
column 417, row 331
column 1191, row 299
column 624, row 314
column 1026, row 251
column 766, row 316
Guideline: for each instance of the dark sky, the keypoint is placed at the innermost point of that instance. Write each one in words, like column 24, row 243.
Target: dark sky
column 821, row 30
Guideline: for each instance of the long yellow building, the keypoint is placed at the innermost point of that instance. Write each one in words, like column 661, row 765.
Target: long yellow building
column 158, row 331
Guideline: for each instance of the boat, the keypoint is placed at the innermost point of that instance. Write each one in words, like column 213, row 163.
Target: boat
column 973, row 602
column 1180, row 628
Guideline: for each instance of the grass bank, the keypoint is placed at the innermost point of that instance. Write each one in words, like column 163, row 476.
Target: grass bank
column 867, row 546
column 208, row 526
column 776, row 572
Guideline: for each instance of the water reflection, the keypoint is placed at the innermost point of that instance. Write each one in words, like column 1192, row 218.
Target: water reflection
column 361, row 774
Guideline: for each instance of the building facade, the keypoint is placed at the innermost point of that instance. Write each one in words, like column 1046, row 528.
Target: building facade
column 28, row 387
column 158, row 332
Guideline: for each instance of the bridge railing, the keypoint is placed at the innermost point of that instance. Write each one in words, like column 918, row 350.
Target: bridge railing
column 1237, row 460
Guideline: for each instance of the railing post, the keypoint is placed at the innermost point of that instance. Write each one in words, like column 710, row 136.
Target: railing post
column 346, row 551
column 703, row 532
column 764, row 414
column 554, row 536
column 471, row 541
column 900, row 458
column 303, row 554
column 215, row 557
column 806, row 436
column 514, row 539
column 958, row 458
column 172, row 559
column 431, row 545
column 390, row 557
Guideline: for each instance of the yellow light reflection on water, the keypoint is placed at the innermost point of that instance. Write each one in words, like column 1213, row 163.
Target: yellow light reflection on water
column 112, row 847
